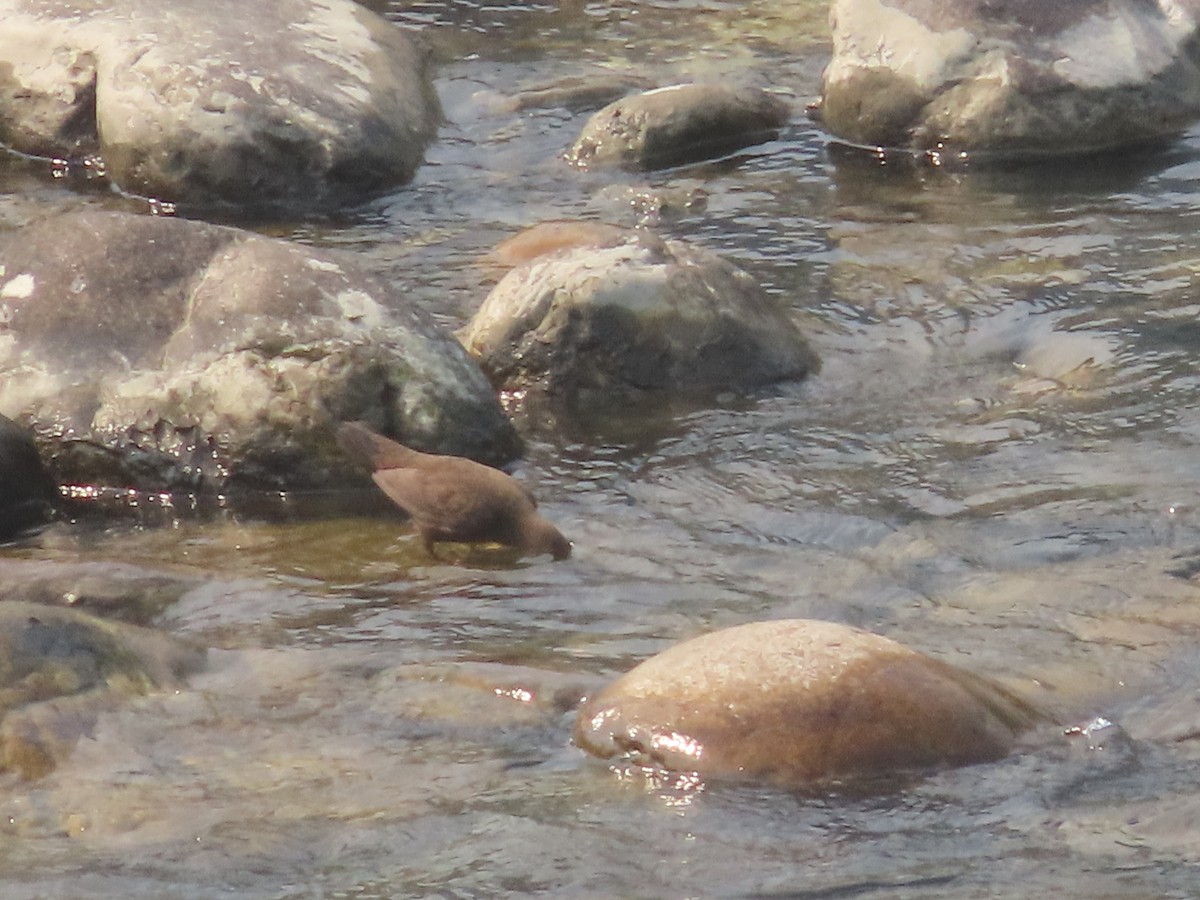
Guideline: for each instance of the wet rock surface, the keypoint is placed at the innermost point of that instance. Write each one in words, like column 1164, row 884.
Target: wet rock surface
column 643, row 315
column 27, row 492
column 328, row 103
column 798, row 701
column 113, row 590
column 1012, row 77
column 678, row 124
column 170, row 355
column 59, row 668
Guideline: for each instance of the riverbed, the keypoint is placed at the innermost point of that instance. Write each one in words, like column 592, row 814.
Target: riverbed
column 996, row 465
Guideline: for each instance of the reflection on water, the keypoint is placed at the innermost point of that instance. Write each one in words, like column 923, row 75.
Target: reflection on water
column 996, row 465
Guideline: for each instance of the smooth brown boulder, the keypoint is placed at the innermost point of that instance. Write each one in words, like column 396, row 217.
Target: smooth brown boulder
column 798, row 701
column 456, row 500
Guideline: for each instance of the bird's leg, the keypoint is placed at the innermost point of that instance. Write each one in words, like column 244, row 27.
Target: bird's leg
column 427, row 542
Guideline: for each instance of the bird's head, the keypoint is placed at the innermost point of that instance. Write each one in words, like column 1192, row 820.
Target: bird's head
column 540, row 536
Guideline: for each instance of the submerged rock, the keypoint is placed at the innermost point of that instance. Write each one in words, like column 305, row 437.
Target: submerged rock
column 653, row 204
column 59, row 668
column 551, row 237
column 168, row 355
column 680, row 124
column 114, row 590
column 1014, row 77
column 27, row 492
column 602, row 320
column 327, row 104
column 577, row 92
column 800, row 701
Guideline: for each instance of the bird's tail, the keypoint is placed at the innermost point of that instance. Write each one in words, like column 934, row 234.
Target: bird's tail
column 382, row 453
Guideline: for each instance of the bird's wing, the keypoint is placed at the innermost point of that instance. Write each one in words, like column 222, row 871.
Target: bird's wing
column 434, row 503
column 527, row 492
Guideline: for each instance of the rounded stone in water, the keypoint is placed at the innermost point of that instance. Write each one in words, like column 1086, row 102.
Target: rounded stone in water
column 799, row 701
column 200, row 357
column 1010, row 77
column 328, row 105
column 601, row 322
column 678, row 124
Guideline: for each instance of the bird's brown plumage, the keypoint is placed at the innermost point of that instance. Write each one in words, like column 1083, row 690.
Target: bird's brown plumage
column 453, row 499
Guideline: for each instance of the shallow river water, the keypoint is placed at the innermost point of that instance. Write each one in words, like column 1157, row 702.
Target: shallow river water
column 997, row 465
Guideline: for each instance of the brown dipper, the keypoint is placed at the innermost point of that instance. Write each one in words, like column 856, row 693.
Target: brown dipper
column 455, row 499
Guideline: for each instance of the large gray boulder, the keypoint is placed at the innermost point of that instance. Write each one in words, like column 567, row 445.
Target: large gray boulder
column 165, row 354
column 798, row 701
column 291, row 104
column 604, row 317
column 1011, row 77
